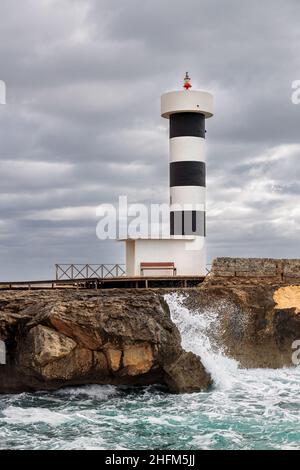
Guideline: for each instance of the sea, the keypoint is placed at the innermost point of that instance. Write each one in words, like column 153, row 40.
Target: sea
column 245, row 409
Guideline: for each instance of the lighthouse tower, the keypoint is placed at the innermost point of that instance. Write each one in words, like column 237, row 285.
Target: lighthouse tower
column 187, row 111
column 182, row 253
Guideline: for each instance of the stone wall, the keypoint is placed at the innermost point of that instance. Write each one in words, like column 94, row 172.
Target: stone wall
column 282, row 271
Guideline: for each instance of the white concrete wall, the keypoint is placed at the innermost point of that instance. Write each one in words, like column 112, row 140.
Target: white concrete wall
column 130, row 257
column 187, row 254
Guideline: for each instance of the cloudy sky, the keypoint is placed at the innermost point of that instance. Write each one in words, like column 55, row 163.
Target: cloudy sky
column 82, row 122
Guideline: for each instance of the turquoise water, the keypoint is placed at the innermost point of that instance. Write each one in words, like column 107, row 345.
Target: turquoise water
column 246, row 409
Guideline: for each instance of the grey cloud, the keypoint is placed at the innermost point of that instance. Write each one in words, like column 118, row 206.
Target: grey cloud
column 82, row 122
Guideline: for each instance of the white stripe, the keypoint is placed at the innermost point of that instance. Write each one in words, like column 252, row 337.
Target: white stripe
column 188, row 195
column 187, row 149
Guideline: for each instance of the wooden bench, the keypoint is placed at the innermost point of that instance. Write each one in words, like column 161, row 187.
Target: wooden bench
column 158, row 266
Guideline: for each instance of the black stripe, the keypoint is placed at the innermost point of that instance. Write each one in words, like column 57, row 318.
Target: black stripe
column 187, row 173
column 187, row 124
column 188, row 223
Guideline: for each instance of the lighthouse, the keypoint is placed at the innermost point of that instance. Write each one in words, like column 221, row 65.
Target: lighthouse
column 182, row 253
column 187, row 111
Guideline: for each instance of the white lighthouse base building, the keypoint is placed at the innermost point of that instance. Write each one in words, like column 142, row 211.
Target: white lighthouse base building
column 176, row 256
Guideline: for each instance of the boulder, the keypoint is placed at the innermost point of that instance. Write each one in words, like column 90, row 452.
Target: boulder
column 66, row 337
column 186, row 374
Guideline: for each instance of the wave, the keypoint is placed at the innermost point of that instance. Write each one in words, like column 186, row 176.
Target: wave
column 196, row 329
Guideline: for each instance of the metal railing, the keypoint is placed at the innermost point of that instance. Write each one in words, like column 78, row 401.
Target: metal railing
column 208, row 268
column 89, row 271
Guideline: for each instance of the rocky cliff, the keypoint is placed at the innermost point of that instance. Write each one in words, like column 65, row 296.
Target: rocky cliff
column 63, row 338
column 257, row 302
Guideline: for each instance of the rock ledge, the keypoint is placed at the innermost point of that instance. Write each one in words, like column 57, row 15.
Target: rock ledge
column 65, row 338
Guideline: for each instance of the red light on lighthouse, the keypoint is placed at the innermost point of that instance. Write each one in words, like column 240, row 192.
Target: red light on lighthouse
column 187, row 85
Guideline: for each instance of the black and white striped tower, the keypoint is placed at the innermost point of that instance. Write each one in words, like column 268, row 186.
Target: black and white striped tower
column 187, row 111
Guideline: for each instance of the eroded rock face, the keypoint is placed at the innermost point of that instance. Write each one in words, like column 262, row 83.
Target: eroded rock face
column 43, row 346
column 63, row 338
column 138, row 359
column 257, row 303
column 287, row 297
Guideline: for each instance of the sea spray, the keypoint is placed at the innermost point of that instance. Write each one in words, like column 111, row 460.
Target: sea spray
column 197, row 330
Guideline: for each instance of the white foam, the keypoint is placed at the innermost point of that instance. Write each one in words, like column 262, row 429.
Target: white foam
column 16, row 415
column 165, row 420
column 195, row 328
column 84, row 443
column 100, row 392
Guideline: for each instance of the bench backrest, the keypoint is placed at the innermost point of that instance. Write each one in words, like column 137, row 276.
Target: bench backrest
column 157, row 265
